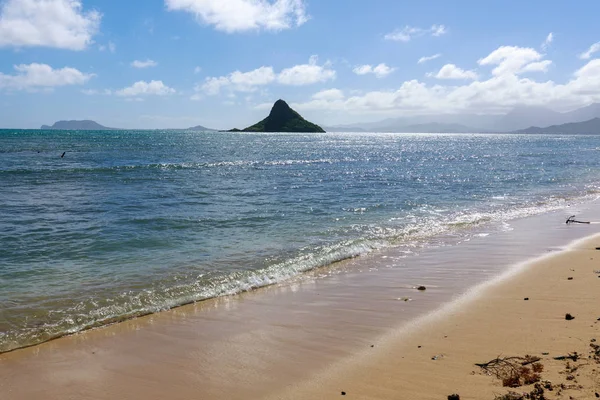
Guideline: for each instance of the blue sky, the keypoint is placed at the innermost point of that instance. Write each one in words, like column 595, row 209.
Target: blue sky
column 222, row 63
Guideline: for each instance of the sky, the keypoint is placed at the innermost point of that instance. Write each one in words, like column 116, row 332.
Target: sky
column 222, row 63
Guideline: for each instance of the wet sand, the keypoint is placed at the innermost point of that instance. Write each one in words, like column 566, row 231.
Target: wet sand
column 312, row 337
column 436, row 355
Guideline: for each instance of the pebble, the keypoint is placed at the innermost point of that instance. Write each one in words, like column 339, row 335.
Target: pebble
column 421, row 288
column 569, row 317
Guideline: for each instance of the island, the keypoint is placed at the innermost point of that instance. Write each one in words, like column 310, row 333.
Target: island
column 88, row 125
column 199, row 128
column 282, row 119
column 85, row 125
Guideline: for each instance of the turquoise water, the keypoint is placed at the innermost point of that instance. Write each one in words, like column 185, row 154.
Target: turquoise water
column 134, row 222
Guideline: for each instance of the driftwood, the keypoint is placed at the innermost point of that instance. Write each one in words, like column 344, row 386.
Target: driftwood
column 573, row 357
column 514, row 371
column 511, row 361
column 572, row 220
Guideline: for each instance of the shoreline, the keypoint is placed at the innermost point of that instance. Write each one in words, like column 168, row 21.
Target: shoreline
column 480, row 326
column 266, row 279
column 257, row 344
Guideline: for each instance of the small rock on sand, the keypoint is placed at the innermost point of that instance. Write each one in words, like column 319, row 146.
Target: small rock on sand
column 569, row 317
column 453, row 397
column 421, row 288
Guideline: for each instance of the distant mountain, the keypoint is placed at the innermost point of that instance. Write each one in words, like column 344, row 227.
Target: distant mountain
column 283, row 119
column 433, row 127
column 518, row 118
column 85, row 125
column 525, row 116
column 573, row 128
column 582, row 114
column 200, row 128
column 343, row 128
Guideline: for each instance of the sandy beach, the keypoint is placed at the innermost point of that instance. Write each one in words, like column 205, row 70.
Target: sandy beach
column 436, row 356
column 347, row 329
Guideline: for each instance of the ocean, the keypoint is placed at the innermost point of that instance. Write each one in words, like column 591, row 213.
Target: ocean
column 129, row 223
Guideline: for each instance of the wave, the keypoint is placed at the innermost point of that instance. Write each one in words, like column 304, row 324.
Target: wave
column 41, row 169
column 94, row 312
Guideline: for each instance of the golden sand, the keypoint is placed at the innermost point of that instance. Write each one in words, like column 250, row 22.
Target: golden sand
column 437, row 357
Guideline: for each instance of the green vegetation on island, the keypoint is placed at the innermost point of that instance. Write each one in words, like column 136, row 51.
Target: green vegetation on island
column 282, row 119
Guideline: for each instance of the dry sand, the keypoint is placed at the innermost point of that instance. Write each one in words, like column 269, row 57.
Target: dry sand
column 436, row 356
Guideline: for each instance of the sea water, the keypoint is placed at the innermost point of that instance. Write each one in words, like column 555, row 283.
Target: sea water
column 128, row 223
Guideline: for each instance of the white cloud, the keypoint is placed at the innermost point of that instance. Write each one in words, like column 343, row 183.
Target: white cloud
column 144, row 64
column 197, row 70
column 588, row 54
column 428, row 58
column 451, row 71
column 93, row 92
column 143, row 88
column 238, row 81
column 380, row 71
column 306, row 74
column 541, row 66
column 409, row 32
column 329, row 94
column 247, row 81
column 47, row 23
column 36, row 76
column 511, row 59
column 438, row 30
column 110, row 47
column 244, row 15
column 548, row 41
column 499, row 93
column 212, row 86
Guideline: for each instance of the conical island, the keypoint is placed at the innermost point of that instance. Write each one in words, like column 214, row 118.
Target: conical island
column 282, row 119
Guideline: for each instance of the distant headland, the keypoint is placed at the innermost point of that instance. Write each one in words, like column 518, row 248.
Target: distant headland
column 84, row 125
column 89, row 125
column 282, row 119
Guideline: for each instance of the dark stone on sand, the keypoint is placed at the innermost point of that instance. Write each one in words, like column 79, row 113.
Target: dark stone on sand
column 372, row 345
column 420, row 347
column 343, row 393
column 453, row 397
column 526, row 298
column 569, row 317
column 421, row 288
column 570, row 278
column 597, row 394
